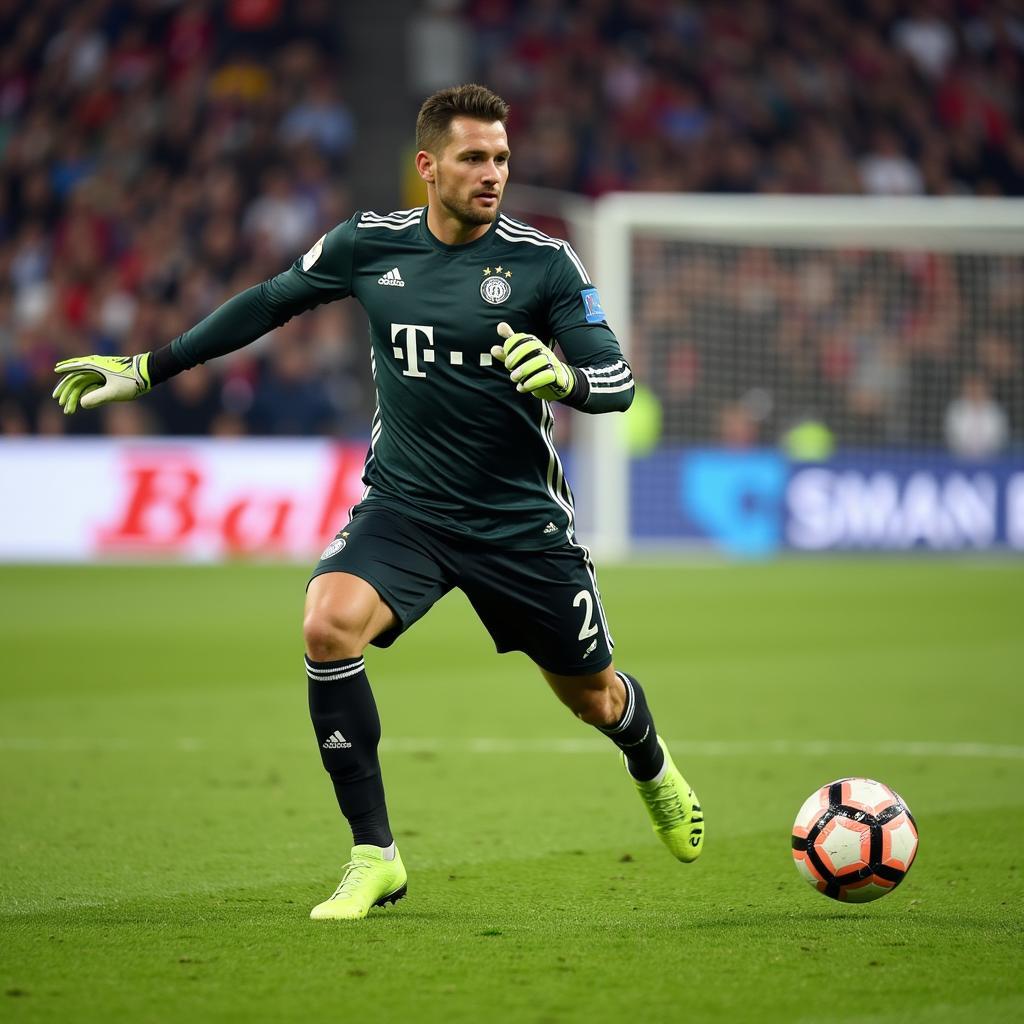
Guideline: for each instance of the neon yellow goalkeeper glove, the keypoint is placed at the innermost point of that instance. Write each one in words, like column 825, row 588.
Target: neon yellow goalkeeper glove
column 534, row 368
column 91, row 381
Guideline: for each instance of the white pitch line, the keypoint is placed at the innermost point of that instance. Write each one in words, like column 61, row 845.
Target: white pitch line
column 586, row 745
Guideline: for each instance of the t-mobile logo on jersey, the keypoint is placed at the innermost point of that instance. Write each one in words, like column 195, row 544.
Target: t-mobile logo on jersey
column 411, row 354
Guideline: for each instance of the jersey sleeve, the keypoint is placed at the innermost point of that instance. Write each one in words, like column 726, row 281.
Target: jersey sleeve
column 604, row 380
column 321, row 275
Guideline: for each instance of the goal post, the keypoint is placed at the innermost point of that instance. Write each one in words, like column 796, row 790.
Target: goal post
column 746, row 315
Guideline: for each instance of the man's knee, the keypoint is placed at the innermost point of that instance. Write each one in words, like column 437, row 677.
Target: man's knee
column 343, row 614
column 332, row 633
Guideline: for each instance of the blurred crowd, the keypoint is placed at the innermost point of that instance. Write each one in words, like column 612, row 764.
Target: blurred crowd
column 743, row 345
column 158, row 156
column 797, row 96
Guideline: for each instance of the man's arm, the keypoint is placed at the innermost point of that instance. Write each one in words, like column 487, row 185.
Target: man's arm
column 599, row 381
column 237, row 323
column 322, row 274
column 593, row 376
column 604, row 379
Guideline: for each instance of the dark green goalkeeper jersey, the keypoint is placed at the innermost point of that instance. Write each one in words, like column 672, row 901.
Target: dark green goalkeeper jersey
column 452, row 444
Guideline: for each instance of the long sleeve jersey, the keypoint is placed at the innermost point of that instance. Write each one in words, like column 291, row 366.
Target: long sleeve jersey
column 452, row 443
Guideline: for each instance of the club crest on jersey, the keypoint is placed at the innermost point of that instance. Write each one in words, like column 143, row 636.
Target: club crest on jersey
column 495, row 288
column 336, row 545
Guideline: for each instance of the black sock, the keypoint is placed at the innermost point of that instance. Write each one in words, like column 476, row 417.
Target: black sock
column 634, row 733
column 347, row 728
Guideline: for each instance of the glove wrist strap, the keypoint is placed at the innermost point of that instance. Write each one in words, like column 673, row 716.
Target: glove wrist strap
column 141, row 367
column 579, row 395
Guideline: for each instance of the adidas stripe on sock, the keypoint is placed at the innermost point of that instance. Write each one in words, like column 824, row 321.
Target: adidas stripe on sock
column 635, row 735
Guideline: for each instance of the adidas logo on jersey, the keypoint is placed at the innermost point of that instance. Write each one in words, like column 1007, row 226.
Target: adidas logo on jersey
column 335, row 742
column 393, row 278
column 550, row 528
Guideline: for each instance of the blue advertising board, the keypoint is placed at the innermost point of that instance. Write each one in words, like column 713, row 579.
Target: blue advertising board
column 755, row 503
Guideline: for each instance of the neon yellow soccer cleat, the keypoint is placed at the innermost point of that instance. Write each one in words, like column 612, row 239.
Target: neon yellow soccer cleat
column 368, row 881
column 674, row 810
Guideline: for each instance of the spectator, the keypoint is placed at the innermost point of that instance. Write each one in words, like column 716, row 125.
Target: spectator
column 281, row 218
column 886, row 170
column 439, row 47
column 928, row 40
column 289, row 398
column 321, row 118
column 976, row 426
column 190, row 404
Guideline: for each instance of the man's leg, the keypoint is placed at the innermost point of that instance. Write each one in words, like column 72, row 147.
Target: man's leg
column 343, row 614
column 614, row 703
column 547, row 604
column 374, row 580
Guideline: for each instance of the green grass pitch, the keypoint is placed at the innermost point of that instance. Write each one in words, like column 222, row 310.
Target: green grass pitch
column 165, row 823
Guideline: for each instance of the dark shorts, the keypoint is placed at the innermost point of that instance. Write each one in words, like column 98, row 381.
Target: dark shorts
column 544, row 603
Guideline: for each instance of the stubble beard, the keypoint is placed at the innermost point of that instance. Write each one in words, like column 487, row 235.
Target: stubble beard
column 464, row 211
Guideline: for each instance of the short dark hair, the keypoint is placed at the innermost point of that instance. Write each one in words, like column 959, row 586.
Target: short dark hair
column 438, row 112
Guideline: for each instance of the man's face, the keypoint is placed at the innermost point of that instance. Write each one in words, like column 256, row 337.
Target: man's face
column 471, row 170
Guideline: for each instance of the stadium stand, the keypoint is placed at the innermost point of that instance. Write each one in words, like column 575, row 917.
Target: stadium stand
column 156, row 157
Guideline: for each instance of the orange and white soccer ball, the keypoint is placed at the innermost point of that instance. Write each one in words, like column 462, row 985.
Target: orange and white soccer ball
column 854, row 840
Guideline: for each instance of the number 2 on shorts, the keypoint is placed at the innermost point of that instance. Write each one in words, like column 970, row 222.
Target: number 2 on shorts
column 589, row 628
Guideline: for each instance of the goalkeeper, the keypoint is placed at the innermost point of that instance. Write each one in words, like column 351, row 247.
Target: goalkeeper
column 463, row 485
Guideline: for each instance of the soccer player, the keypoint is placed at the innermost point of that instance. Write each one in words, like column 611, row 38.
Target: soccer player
column 463, row 486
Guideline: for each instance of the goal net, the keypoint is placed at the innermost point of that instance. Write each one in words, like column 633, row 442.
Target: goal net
column 821, row 373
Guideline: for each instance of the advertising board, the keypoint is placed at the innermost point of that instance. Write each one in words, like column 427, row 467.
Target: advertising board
column 755, row 503
column 208, row 500
column 194, row 500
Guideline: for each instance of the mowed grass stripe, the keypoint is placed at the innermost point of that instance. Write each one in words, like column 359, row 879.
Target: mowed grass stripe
column 484, row 745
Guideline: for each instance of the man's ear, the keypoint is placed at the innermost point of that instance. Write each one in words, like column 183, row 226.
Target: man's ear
column 425, row 165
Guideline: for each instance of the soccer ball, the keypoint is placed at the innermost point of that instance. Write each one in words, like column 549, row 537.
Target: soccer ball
column 854, row 840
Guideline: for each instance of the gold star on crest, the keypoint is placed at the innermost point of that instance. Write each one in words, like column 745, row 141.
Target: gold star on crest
column 508, row 273
column 487, row 271
column 498, row 270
